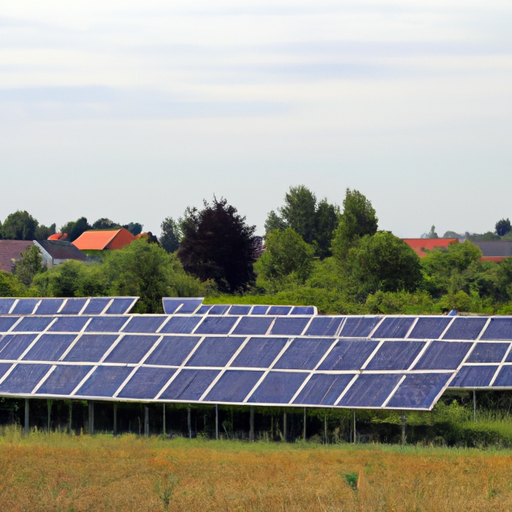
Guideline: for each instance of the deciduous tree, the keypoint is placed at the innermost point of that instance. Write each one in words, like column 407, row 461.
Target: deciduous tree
column 19, row 226
column 29, row 265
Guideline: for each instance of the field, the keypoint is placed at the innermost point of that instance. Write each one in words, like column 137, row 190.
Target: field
column 77, row 473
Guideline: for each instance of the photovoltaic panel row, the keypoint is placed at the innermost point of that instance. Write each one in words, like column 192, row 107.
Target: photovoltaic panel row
column 69, row 306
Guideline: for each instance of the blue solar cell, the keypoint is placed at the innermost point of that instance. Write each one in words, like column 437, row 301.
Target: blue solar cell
column 49, row 347
column 259, row 310
column 13, row 345
column 248, row 325
column 106, row 324
column 203, row 310
column 180, row 325
column 498, row 329
column 359, row 327
column 303, row 354
column 49, row 306
column 63, row 380
column 147, row 324
column 172, row 350
column 146, row 383
column 90, row 348
column 393, row 328
column 69, row 324
column 233, row 386
column 419, row 391
column 289, row 326
column 219, row 309
column 465, row 329
column 7, row 322
column 215, row 351
column 5, row 305
column 259, row 352
column 279, row 310
column 325, row 326
column 443, row 355
column 104, row 381
column 24, row 378
column 429, row 328
column 323, row 389
column 120, row 306
column 504, row 378
column 303, row 310
column 96, row 305
column 278, row 387
column 473, row 377
column 348, row 355
column 181, row 305
column 370, row 390
column 189, row 385
column 216, row 325
column 33, row 324
column 239, row 310
column 25, row 306
column 73, row 306
column 131, row 349
column 395, row 355
column 3, row 368
column 488, row 353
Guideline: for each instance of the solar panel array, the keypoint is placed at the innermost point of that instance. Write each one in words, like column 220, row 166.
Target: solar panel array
column 252, row 355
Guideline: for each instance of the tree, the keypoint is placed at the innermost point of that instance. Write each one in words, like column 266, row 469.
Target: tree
column 43, row 232
column 218, row 245
column 10, row 286
column 383, row 262
column 134, row 228
column 19, row 226
column 503, row 227
column 326, row 221
column 104, row 223
column 29, row 265
column 357, row 220
column 169, row 239
column 432, row 233
column 287, row 259
column 76, row 228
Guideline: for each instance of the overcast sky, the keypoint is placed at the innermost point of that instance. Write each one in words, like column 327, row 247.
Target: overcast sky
column 134, row 110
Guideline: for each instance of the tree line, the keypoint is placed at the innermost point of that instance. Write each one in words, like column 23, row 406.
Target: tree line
column 334, row 257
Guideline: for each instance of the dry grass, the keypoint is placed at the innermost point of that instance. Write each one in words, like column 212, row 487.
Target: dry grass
column 61, row 473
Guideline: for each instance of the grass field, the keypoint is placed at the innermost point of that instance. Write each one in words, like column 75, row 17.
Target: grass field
column 77, row 473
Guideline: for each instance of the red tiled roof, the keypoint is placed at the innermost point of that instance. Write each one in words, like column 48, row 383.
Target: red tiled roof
column 58, row 236
column 10, row 250
column 104, row 240
column 421, row 245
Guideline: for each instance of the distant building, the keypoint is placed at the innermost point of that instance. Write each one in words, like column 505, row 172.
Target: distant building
column 104, row 240
column 56, row 251
column 422, row 246
column 59, row 236
column 10, row 251
column 495, row 251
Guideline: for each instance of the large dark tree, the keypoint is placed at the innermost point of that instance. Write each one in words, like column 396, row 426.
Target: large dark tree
column 503, row 227
column 170, row 237
column 218, row 244
column 19, row 226
column 76, row 228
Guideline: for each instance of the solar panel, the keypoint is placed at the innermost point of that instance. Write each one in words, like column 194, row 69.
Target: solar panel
column 233, row 386
column 24, row 378
column 248, row 325
column 90, row 348
column 106, row 324
column 73, row 306
column 219, row 309
column 474, row 377
column 498, row 329
column 488, row 352
column 25, row 306
column 215, row 351
column 32, row 323
column 172, row 350
column 181, row 325
column 289, row 326
column 216, row 325
column 181, row 305
column 7, row 322
column 146, row 383
column 259, row 352
column 370, row 390
column 49, row 306
column 303, row 353
column 104, row 381
column 239, row 310
column 323, row 389
column 12, row 346
column 49, row 347
column 348, row 355
column 279, row 310
column 120, row 305
column 419, row 391
column 393, row 328
column 259, row 310
column 63, row 380
column 69, row 324
column 504, row 378
column 395, row 355
column 304, row 310
column 189, row 385
column 149, row 324
column 443, row 355
column 96, row 305
column 359, row 327
column 465, row 329
column 325, row 326
column 131, row 349
column 6, row 305
column 429, row 328
column 278, row 387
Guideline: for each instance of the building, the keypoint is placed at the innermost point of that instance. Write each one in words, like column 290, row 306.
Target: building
column 496, row 250
column 422, row 246
column 104, row 240
column 10, row 251
column 56, row 251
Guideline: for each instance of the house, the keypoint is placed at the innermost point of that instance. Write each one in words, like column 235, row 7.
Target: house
column 495, row 251
column 422, row 246
column 10, row 250
column 104, row 240
column 57, row 251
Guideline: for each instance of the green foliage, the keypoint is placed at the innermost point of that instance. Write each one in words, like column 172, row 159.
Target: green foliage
column 10, row 286
column 351, row 479
column 76, row 228
column 104, row 223
column 43, row 232
column 135, row 228
column 503, row 227
column 432, row 233
column 401, row 302
column 170, row 237
column 357, row 220
column 29, row 265
column 382, row 262
column 218, row 245
column 286, row 260
column 19, row 226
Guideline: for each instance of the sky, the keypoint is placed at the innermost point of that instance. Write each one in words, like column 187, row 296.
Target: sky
column 134, row 110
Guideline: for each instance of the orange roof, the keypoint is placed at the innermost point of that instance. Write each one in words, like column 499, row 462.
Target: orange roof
column 421, row 245
column 58, row 236
column 104, row 240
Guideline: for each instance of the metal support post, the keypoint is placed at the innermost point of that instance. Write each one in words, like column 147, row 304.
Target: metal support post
column 189, row 422
column 474, row 405
column 305, row 418
column 146, row 421
column 251, row 423
column 115, row 418
column 217, row 422
column 285, row 427
column 91, row 418
column 164, row 426
column 70, row 417
column 403, row 429
column 325, row 426
column 49, row 407
column 27, row 416
column 354, row 428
